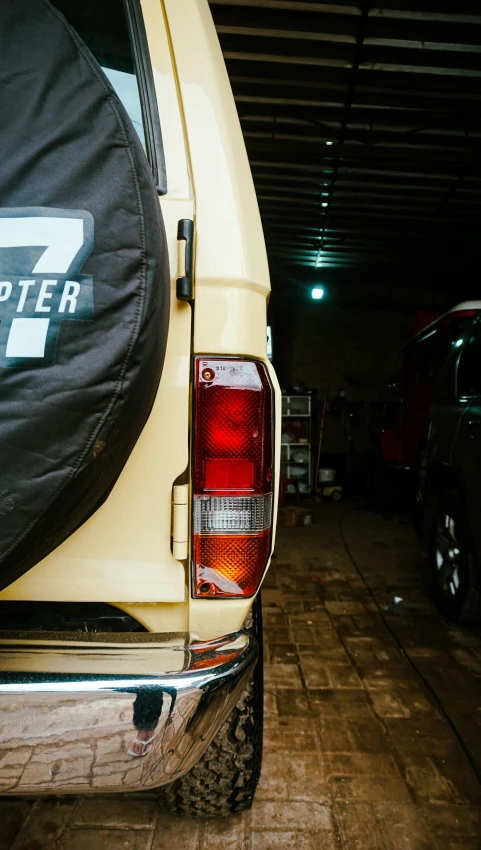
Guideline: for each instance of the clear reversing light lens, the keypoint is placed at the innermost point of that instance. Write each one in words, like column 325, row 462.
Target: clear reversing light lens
column 236, row 514
column 232, row 476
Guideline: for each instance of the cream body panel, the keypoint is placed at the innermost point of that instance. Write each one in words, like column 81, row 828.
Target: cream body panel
column 171, row 120
column 231, row 271
column 123, row 552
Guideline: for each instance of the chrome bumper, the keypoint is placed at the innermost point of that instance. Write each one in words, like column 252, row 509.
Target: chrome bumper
column 67, row 707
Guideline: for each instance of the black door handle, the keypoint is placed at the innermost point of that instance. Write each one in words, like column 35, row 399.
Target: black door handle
column 185, row 284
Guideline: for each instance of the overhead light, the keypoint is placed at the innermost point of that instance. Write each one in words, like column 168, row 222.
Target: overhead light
column 324, row 204
column 317, row 293
column 458, row 343
column 329, row 143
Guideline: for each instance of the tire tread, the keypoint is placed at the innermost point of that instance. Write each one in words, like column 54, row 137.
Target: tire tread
column 225, row 779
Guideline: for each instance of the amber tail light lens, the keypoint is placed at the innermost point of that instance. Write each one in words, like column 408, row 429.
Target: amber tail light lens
column 233, row 460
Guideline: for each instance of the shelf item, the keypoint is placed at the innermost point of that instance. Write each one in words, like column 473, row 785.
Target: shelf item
column 296, row 448
column 296, row 405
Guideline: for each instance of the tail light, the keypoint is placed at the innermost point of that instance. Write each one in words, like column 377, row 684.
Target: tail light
column 233, row 459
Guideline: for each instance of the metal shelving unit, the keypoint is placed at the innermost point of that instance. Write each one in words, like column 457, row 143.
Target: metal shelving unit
column 296, row 446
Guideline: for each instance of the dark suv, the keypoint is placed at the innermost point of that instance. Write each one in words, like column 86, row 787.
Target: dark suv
column 450, row 485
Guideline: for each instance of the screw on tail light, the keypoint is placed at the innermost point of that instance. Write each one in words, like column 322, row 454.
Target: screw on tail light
column 233, row 459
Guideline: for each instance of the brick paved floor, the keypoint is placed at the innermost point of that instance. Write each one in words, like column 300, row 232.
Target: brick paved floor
column 358, row 753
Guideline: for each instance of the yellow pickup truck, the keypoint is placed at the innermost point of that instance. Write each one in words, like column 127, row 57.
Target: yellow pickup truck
column 131, row 557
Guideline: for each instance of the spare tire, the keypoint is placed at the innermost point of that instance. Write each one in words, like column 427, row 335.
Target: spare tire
column 84, row 285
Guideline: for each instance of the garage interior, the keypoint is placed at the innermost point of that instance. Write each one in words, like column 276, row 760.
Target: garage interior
column 362, row 123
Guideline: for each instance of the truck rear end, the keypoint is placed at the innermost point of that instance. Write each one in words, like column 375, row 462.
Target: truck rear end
column 123, row 651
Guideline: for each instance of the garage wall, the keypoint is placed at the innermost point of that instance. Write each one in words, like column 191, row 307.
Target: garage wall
column 355, row 348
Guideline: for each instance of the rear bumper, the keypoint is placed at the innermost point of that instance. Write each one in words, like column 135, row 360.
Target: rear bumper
column 68, row 707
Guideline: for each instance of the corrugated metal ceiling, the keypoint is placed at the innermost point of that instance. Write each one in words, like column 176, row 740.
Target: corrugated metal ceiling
column 363, row 126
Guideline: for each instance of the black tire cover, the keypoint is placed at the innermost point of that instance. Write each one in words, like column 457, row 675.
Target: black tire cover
column 84, row 284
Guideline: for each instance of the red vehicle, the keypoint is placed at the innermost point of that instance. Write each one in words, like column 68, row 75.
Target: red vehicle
column 422, row 361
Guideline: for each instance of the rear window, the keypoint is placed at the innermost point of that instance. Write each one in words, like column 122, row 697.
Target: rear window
column 428, row 356
column 113, row 31
column 457, row 329
column 469, row 369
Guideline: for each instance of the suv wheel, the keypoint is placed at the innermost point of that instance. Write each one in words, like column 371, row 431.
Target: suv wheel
column 225, row 779
column 453, row 561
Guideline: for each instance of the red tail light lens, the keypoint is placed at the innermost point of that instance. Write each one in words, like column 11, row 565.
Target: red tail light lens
column 233, row 458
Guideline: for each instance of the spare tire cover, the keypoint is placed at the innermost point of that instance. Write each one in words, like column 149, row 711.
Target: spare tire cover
column 84, row 284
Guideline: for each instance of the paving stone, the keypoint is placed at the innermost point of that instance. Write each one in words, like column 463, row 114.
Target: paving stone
column 13, row 814
column 290, row 740
column 116, row 812
column 276, row 840
column 329, row 675
column 299, row 816
column 299, row 777
column 358, row 827
column 338, row 608
column 354, row 736
column 349, row 703
column 386, row 827
column 177, row 833
column 456, row 822
column 292, row 704
column 105, row 839
column 369, row 789
column 425, row 726
column 272, row 618
column 278, row 635
column 224, row 833
column 293, row 605
column 386, row 677
column 46, row 823
column 282, row 676
column 421, row 745
column 399, row 704
column 362, row 777
column 288, row 737
column 279, row 653
column 270, row 704
column 434, row 780
column 402, row 828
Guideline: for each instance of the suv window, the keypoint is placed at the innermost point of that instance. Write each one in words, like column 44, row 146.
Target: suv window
column 113, row 32
column 428, row 357
column 469, row 368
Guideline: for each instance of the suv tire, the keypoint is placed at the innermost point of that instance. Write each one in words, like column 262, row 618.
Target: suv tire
column 225, row 779
column 452, row 559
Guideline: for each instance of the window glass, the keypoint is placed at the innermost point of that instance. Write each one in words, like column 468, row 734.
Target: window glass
column 457, row 330
column 102, row 25
column 428, row 357
column 469, row 369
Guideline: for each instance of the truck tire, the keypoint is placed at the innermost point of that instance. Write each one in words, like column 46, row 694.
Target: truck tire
column 225, row 779
column 453, row 562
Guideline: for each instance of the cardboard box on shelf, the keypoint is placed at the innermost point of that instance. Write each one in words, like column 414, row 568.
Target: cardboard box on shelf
column 296, row 516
